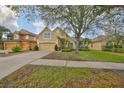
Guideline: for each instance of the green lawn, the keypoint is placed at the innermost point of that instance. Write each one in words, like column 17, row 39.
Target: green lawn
column 87, row 56
column 47, row 76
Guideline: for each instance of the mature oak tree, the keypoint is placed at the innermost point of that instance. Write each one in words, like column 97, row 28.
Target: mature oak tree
column 74, row 18
column 113, row 25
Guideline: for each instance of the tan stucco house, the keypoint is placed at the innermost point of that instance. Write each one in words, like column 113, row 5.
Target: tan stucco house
column 99, row 42
column 47, row 39
column 23, row 38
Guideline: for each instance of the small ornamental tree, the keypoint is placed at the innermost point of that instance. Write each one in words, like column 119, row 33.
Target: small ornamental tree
column 63, row 42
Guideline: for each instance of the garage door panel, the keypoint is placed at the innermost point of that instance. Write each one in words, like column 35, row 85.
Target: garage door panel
column 47, row 47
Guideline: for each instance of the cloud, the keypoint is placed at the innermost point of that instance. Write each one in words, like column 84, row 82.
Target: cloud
column 8, row 18
column 39, row 26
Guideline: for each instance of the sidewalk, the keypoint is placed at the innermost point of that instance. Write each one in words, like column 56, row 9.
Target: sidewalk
column 89, row 64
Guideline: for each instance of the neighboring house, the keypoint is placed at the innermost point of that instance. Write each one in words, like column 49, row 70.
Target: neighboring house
column 99, row 42
column 25, row 39
column 47, row 39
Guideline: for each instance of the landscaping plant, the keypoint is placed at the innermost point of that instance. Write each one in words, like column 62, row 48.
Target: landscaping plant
column 36, row 48
column 16, row 49
column 56, row 48
column 67, row 50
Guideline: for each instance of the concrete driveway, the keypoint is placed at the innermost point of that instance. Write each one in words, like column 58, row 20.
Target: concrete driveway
column 12, row 63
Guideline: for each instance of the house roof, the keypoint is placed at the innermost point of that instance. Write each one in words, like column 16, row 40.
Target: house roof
column 56, row 29
column 46, row 28
column 25, row 32
column 60, row 29
column 18, row 40
column 101, row 38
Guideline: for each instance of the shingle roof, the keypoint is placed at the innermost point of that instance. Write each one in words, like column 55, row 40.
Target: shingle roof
column 27, row 32
column 101, row 38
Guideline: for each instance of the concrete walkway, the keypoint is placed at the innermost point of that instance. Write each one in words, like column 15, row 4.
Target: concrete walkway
column 89, row 64
column 12, row 63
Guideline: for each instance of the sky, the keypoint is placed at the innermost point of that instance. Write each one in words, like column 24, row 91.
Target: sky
column 14, row 23
column 9, row 19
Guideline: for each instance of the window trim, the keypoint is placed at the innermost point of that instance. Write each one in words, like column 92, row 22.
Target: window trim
column 27, row 37
column 45, row 36
column 16, row 36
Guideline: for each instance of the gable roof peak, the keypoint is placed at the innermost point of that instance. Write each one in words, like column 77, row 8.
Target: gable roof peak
column 58, row 28
column 46, row 28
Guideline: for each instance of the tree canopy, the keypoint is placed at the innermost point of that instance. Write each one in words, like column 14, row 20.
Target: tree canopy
column 78, row 19
column 2, row 31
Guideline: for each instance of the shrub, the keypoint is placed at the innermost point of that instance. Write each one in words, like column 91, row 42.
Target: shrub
column 109, row 44
column 30, row 49
column 36, row 48
column 16, row 49
column 67, row 50
column 119, row 50
column 106, row 49
column 56, row 48
column 59, row 48
column 117, row 46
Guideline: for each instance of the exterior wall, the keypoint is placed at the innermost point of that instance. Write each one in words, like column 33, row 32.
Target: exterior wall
column 9, row 45
column 24, row 46
column 96, row 46
column 22, row 41
column 31, row 38
column 47, row 44
column 22, row 36
column 62, row 34
column 32, row 45
column 41, row 36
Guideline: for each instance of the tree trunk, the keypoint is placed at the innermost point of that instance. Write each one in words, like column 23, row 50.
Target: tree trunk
column 77, row 44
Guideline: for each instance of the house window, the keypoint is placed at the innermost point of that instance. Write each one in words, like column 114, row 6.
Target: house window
column 16, row 36
column 47, row 35
column 34, row 38
column 27, row 37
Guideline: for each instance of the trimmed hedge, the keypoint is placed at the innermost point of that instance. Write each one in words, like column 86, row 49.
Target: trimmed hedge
column 119, row 50
column 106, row 49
